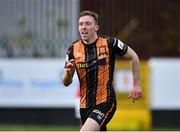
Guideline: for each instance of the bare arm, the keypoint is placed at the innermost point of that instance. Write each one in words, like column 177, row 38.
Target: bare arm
column 68, row 73
column 136, row 91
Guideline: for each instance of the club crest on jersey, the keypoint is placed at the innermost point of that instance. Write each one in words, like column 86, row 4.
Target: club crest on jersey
column 102, row 51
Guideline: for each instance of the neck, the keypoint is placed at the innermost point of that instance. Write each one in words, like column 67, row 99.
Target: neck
column 93, row 39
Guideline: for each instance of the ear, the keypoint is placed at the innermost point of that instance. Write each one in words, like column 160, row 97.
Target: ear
column 97, row 27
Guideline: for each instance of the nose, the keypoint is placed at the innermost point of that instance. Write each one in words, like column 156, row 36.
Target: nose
column 83, row 26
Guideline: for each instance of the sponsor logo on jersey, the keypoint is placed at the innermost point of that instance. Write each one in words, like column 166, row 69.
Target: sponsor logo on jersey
column 100, row 114
column 90, row 64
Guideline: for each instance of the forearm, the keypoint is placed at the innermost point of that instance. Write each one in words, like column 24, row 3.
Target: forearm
column 67, row 77
column 135, row 63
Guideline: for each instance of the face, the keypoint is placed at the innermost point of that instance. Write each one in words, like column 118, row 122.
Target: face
column 87, row 28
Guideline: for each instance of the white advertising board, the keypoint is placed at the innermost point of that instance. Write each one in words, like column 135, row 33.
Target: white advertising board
column 123, row 80
column 165, row 83
column 35, row 83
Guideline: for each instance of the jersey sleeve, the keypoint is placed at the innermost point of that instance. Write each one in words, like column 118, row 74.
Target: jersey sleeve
column 69, row 54
column 118, row 47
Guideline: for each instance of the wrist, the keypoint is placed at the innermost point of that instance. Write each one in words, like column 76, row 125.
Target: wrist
column 136, row 82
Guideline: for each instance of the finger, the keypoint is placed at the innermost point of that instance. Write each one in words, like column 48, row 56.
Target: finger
column 130, row 96
column 69, row 65
column 139, row 95
column 72, row 60
column 134, row 95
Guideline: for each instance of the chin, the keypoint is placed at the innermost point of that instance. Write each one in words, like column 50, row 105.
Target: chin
column 84, row 39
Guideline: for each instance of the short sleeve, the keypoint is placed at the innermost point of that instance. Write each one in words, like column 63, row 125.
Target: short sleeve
column 69, row 54
column 118, row 46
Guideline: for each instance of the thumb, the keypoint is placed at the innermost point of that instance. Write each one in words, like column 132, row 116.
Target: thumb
column 129, row 96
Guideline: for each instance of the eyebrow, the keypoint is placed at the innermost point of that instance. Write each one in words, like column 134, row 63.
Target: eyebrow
column 85, row 22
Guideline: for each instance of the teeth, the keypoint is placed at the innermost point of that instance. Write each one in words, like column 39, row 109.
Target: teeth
column 84, row 33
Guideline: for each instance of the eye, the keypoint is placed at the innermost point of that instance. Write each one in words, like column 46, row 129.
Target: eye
column 88, row 23
column 80, row 24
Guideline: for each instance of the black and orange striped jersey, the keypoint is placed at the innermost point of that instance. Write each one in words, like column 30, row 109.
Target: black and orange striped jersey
column 95, row 66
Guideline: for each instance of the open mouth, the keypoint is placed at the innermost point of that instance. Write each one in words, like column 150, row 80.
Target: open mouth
column 84, row 33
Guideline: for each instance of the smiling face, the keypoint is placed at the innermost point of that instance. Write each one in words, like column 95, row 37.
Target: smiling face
column 88, row 29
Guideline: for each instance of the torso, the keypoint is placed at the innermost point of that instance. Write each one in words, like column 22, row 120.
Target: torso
column 94, row 65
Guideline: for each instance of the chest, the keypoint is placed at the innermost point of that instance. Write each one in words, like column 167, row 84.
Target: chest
column 91, row 56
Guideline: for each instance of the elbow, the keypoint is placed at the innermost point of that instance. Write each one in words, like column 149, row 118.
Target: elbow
column 66, row 79
column 67, row 83
column 136, row 58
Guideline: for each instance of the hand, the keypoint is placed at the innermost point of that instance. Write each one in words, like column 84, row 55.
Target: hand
column 70, row 67
column 135, row 93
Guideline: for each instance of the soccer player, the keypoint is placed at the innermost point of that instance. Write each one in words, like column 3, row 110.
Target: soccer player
column 93, row 58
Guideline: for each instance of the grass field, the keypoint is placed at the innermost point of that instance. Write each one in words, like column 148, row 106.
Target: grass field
column 59, row 128
column 37, row 128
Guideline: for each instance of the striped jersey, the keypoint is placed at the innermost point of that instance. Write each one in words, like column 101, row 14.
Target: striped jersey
column 94, row 65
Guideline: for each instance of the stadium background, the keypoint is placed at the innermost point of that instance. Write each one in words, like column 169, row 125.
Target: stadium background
column 34, row 37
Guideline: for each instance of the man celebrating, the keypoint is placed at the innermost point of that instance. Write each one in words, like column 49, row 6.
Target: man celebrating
column 93, row 58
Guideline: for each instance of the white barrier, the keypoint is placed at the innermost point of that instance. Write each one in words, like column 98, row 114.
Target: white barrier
column 165, row 83
column 34, row 83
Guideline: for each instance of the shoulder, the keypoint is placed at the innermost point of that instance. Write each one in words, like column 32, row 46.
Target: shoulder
column 111, row 40
column 105, row 38
column 75, row 42
column 115, row 42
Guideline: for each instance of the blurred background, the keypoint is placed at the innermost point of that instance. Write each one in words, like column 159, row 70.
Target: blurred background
column 35, row 35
